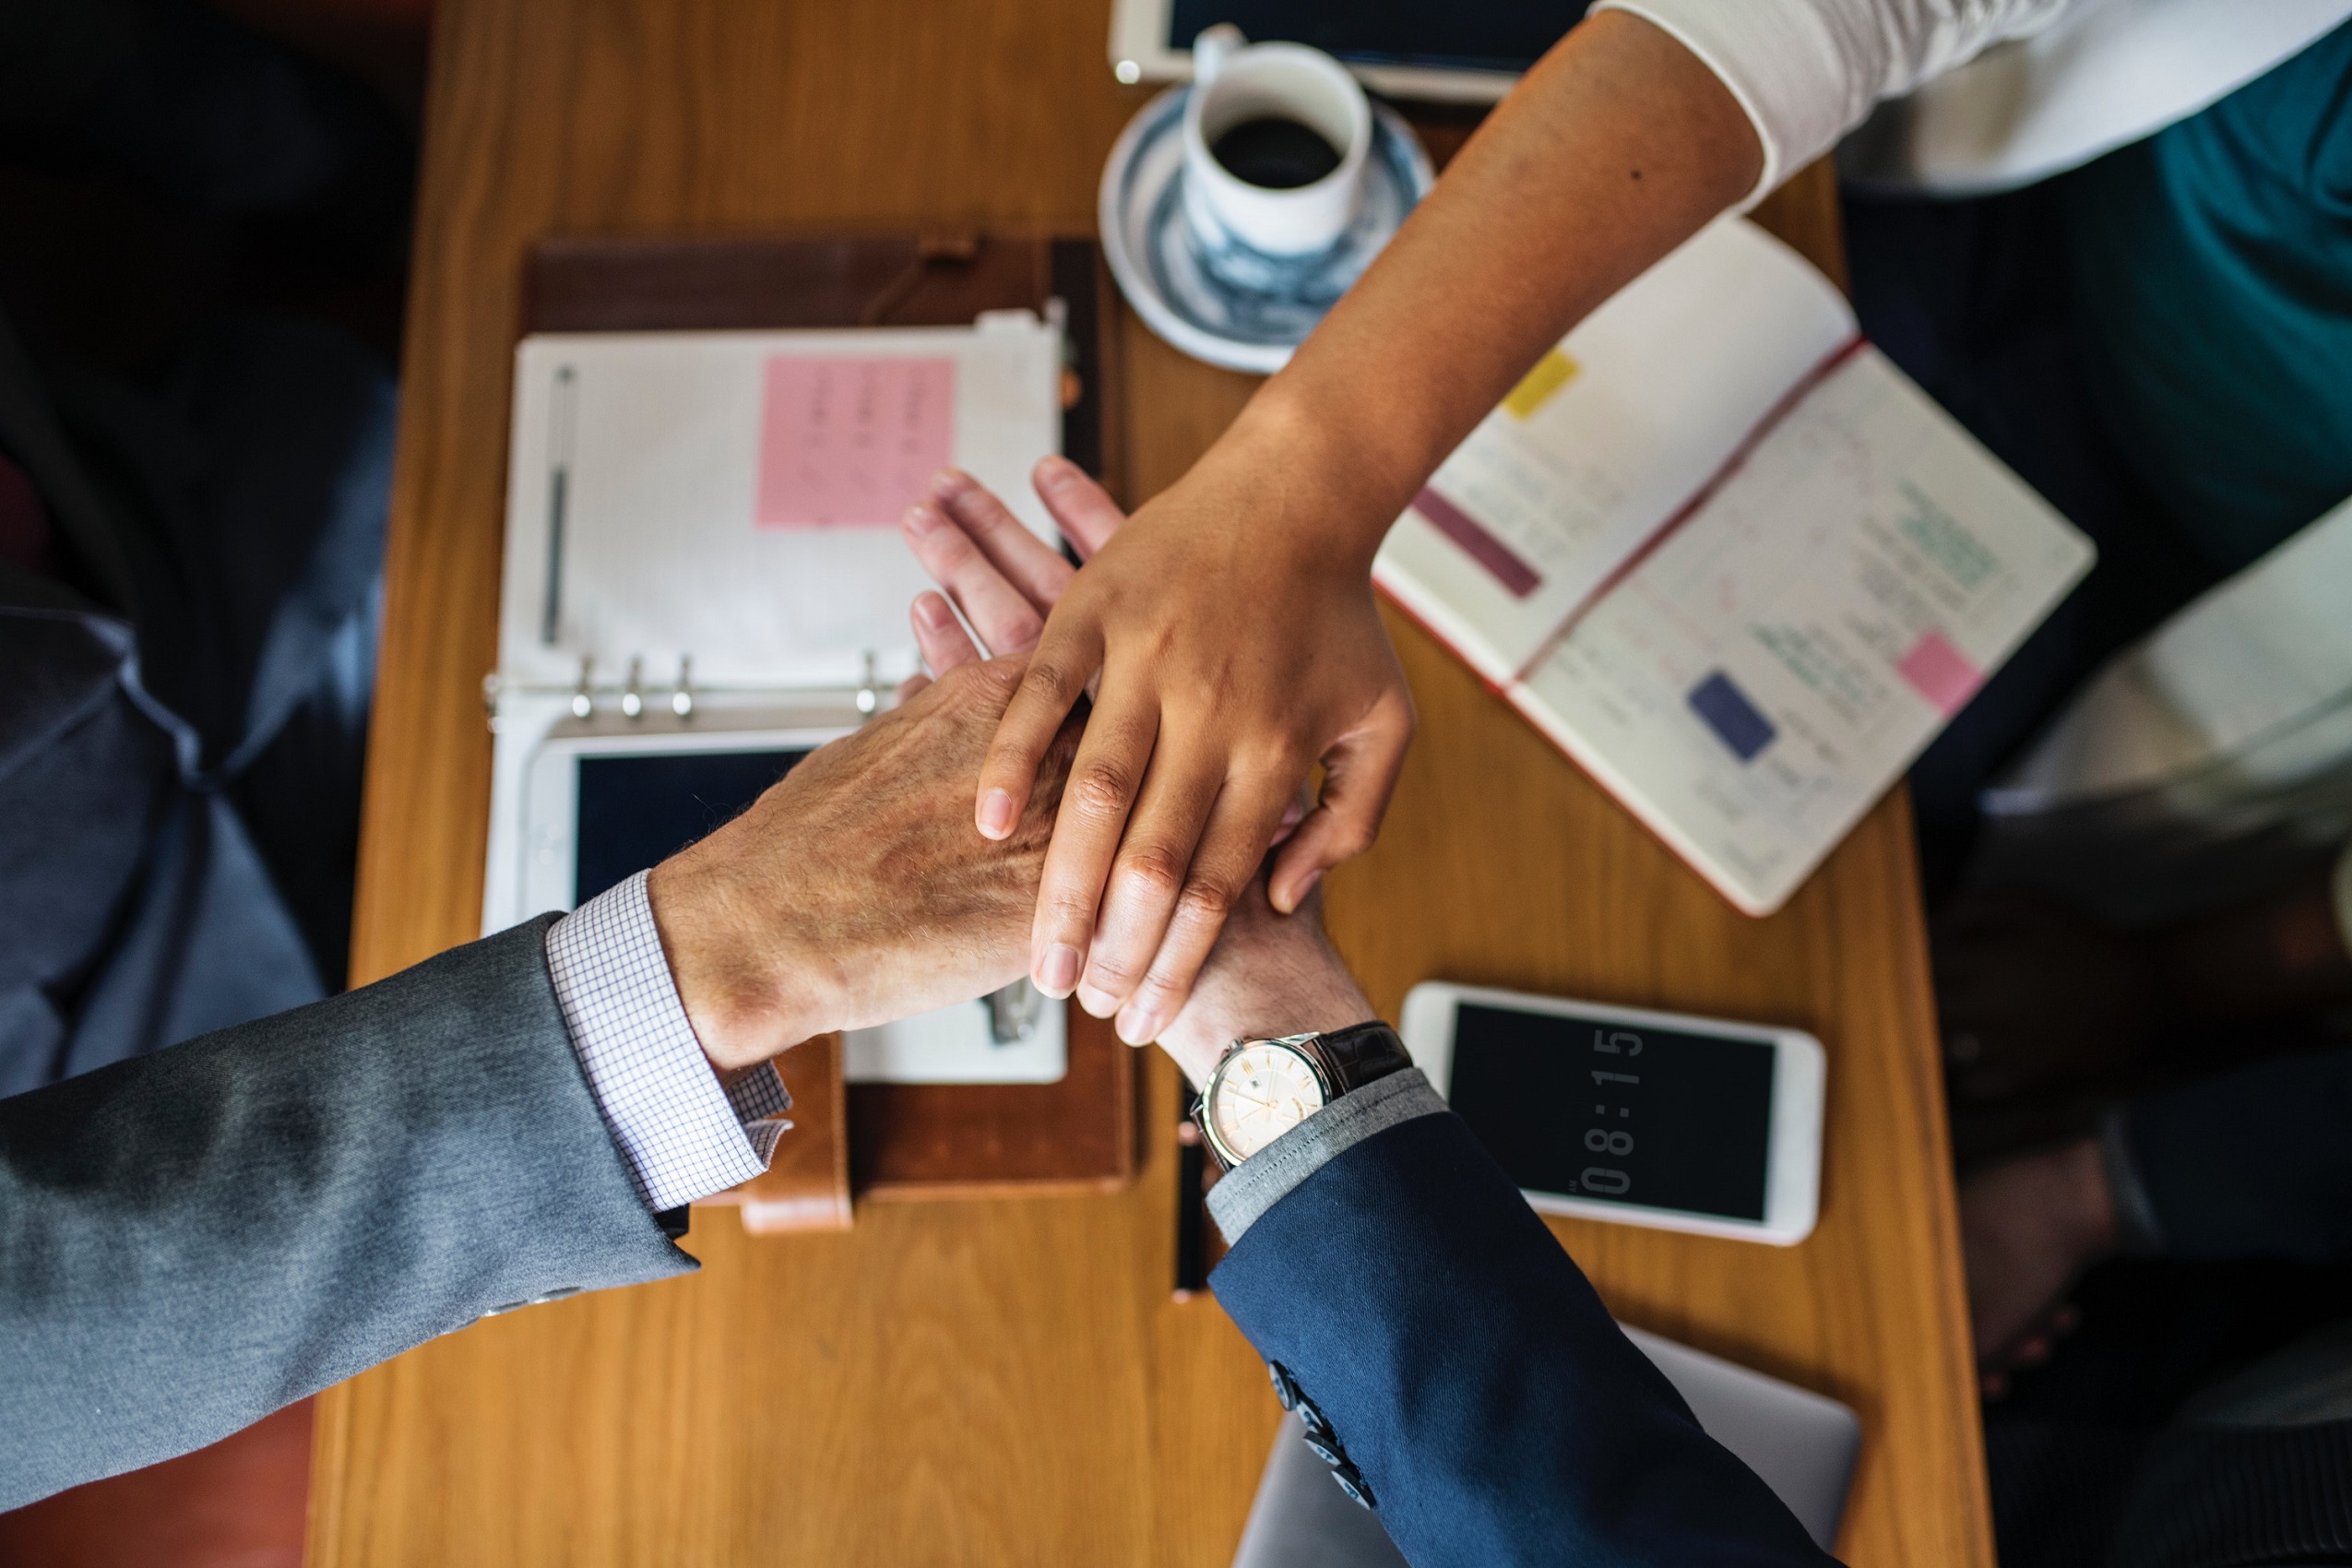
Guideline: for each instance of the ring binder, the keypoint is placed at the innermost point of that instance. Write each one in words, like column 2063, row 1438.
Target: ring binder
column 906, row 1140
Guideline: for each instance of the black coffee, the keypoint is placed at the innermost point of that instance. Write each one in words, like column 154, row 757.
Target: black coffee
column 1280, row 155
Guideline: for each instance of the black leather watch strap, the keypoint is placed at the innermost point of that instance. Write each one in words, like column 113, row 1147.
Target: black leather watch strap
column 1363, row 1054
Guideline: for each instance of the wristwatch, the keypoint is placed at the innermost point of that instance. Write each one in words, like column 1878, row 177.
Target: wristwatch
column 1261, row 1088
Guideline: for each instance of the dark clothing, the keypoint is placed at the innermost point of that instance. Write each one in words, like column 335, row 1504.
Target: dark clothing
column 1473, row 1377
column 2161, row 344
column 190, row 569
column 2252, row 1164
column 2211, row 274
column 179, row 802
column 193, row 1239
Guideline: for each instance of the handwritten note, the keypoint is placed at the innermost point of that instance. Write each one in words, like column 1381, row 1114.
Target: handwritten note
column 851, row 442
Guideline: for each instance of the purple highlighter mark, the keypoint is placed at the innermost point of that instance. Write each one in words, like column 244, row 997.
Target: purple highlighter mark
column 1480, row 546
column 1939, row 672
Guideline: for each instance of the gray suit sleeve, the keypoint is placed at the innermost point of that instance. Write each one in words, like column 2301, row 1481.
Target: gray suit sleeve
column 194, row 1239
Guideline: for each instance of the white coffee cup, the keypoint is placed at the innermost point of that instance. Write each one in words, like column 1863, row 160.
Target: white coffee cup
column 1234, row 81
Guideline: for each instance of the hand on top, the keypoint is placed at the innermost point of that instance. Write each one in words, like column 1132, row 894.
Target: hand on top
column 1224, row 667
column 1269, row 973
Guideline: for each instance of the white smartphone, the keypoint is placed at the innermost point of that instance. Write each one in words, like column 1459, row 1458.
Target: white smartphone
column 1458, row 53
column 1620, row 1113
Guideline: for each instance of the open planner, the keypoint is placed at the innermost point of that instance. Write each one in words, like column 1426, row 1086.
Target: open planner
column 1730, row 560
column 705, row 582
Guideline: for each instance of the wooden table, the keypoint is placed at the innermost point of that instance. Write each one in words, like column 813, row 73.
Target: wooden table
column 1009, row 1381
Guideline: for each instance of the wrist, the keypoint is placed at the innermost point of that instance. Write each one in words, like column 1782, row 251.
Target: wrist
column 1337, row 500
column 752, row 985
column 1304, row 992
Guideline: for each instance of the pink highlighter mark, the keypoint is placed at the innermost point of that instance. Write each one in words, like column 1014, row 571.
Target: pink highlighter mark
column 1938, row 672
column 851, row 443
column 1482, row 546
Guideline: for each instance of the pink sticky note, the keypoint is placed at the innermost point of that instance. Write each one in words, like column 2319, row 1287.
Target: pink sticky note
column 851, row 442
column 1938, row 672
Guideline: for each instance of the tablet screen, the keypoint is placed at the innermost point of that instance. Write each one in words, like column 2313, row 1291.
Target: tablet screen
column 1608, row 1113
column 1498, row 35
column 636, row 809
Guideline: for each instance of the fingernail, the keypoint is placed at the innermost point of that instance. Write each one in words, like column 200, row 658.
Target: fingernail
column 922, row 518
column 1298, row 893
column 946, row 482
column 1138, row 1026
column 1060, row 971
column 996, row 821
column 1095, row 1000
column 1055, row 471
column 933, row 610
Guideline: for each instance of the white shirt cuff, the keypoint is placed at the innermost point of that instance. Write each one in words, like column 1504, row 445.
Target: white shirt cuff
column 682, row 1134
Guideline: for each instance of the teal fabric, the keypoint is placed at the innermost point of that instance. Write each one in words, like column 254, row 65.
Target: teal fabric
column 2213, row 289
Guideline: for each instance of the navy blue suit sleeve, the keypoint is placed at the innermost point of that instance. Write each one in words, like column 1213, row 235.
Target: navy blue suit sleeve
column 1475, row 1379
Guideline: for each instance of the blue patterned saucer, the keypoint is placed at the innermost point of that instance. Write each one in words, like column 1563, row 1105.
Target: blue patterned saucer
column 1231, row 306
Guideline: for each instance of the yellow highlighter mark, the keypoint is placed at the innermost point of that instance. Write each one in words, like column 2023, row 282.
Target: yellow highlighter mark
column 1552, row 372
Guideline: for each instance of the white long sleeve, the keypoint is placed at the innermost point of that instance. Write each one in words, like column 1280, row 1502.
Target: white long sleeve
column 1807, row 71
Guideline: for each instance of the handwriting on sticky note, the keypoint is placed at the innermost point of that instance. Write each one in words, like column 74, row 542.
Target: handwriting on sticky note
column 851, row 442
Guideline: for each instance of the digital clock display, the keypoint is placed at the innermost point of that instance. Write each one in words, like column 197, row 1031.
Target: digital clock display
column 1611, row 1113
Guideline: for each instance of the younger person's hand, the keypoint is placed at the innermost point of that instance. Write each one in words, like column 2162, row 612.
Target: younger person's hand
column 1224, row 670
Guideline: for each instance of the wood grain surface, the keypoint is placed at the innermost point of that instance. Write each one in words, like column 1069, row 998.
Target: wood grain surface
column 1008, row 1381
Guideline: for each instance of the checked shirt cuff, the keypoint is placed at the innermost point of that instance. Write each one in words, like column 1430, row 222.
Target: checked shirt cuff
column 682, row 1134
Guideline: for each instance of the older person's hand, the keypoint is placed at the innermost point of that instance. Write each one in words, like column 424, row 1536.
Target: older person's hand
column 854, row 891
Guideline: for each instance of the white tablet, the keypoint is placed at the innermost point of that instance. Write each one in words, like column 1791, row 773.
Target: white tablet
column 1622, row 1115
column 1445, row 53
column 605, row 797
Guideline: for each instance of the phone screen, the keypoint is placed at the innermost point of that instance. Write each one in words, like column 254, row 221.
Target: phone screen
column 1498, row 35
column 637, row 808
column 1613, row 1113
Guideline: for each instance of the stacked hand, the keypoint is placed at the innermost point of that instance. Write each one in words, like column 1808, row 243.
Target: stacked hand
column 1203, row 727
column 854, row 891
column 1270, row 972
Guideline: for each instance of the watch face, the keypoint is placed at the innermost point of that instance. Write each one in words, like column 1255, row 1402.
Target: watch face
column 1262, row 1091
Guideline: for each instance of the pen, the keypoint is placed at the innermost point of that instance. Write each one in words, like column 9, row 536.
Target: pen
column 559, row 485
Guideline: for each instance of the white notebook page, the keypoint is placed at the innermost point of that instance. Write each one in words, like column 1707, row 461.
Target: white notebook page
column 1755, row 683
column 1557, row 488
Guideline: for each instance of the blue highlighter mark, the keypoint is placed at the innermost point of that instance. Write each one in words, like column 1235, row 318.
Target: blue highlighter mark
column 1731, row 716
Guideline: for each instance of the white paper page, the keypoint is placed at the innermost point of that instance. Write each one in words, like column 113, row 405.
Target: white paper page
column 2264, row 657
column 1540, row 505
column 664, row 550
column 1763, row 675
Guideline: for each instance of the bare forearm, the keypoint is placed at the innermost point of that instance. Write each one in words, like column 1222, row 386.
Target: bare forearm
column 1617, row 147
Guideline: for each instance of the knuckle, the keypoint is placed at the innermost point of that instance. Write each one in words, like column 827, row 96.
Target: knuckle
column 1154, row 872
column 1347, row 838
column 983, row 684
column 1099, row 791
column 1000, row 678
column 1113, row 972
column 1207, row 896
column 1044, row 682
column 1158, row 993
column 1068, row 912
